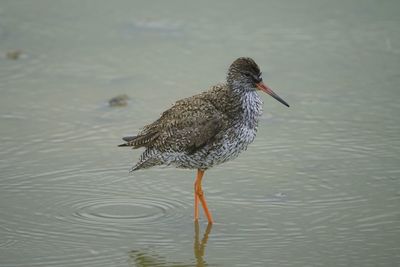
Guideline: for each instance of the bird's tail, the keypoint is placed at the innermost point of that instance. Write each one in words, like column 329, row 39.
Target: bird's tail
column 128, row 140
column 139, row 140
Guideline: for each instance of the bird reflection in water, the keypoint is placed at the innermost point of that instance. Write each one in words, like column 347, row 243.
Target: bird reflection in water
column 148, row 259
column 199, row 246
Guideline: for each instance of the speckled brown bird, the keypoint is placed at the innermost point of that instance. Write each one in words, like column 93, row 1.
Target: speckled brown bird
column 207, row 129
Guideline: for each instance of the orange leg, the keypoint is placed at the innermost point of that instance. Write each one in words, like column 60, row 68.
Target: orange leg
column 199, row 196
column 196, row 201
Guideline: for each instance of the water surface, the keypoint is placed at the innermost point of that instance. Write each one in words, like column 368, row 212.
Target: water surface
column 318, row 187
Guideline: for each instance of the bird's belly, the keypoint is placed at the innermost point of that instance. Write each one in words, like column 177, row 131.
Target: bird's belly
column 225, row 148
column 232, row 145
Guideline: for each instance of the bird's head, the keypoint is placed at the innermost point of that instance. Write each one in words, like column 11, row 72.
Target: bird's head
column 245, row 75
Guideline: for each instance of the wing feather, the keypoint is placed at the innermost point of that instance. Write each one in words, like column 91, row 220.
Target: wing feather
column 187, row 126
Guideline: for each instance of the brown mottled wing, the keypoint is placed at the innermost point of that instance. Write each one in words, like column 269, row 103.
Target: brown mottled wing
column 187, row 126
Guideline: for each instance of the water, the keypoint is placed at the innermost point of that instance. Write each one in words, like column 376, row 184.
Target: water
column 318, row 187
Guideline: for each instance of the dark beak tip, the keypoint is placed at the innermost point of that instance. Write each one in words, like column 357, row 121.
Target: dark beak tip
column 268, row 90
column 281, row 100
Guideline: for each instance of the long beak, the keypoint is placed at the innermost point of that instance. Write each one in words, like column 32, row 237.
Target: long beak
column 268, row 90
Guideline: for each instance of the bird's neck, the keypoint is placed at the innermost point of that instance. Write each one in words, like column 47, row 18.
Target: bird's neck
column 248, row 108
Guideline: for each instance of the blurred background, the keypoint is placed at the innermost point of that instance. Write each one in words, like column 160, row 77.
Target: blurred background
column 318, row 187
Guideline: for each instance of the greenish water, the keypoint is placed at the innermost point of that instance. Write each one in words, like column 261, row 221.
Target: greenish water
column 320, row 185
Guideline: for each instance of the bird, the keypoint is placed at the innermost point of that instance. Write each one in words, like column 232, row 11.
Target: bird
column 206, row 129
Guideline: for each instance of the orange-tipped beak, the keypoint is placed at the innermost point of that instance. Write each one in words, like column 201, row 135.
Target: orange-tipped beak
column 268, row 90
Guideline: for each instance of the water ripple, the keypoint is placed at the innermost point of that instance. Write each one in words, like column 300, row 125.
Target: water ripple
column 125, row 211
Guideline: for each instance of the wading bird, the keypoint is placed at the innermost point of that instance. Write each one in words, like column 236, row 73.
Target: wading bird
column 206, row 129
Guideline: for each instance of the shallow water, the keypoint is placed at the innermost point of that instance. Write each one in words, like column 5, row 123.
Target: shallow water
column 318, row 187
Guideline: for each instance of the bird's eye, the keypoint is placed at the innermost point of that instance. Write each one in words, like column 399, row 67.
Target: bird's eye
column 259, row 78
column 253, row 77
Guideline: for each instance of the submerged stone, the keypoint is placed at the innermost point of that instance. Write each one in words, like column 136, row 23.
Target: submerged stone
column 119, row 101
column 14, row 54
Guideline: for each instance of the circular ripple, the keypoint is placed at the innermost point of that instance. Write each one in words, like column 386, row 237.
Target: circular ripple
column 126, row 210
column 121, row 210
